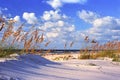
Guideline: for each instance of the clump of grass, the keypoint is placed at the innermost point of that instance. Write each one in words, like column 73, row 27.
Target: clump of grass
column 84, row 56
column 29, row 40
column 7, row 51
column 109, row 54
column 109, row 49
column 106, row 53
column 66, row 57
column 56, row 59
column 116, row 58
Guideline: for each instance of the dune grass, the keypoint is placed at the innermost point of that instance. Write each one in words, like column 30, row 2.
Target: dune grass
column 6, row 51
column 33, row 38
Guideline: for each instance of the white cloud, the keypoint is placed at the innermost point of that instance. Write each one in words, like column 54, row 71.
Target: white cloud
column 71, row 28
column 52, row 15
column 49, row 25
column 56, row 27
column 46, row 15
column 52, row 34
column 17, row 18
column 60, row 23
column 30, row 17
column 103, row 28
column 59, row 3
column 87, row 16
column 55, row 3
column 108, row 21
column 74, row 1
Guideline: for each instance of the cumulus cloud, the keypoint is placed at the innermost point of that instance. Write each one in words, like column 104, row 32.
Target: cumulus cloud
column 56, row 26
column 58, row 29
column 87, row 16
column 103, row 28
column 46, row 15
column 55, row 3
column 60, row 23
column 59, row 3
column 17, row 18
column 52, row 34
column 52, row 15
column 108, row 21
column 30, row 17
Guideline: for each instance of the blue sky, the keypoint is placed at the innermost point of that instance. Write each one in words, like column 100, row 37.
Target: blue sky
column 99, row 19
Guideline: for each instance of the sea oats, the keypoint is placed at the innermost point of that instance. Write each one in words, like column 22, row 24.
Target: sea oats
column 41, row 38
column 1, row 27
column 71, row 44
column 47, row 43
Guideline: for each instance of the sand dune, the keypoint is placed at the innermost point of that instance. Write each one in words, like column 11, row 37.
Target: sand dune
column 34, row 67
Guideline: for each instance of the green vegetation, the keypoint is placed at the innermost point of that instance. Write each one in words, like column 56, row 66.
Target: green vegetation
column 107, row 53
column 6, row 51
column 84, row 56
column 63, row 57
column 116, row 58
column 101, row 54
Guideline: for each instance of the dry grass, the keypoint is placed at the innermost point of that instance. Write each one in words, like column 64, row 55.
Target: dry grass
column 34, row 37
column 28, row 39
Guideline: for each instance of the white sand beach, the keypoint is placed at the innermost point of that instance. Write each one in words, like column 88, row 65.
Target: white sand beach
column 34, row 67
